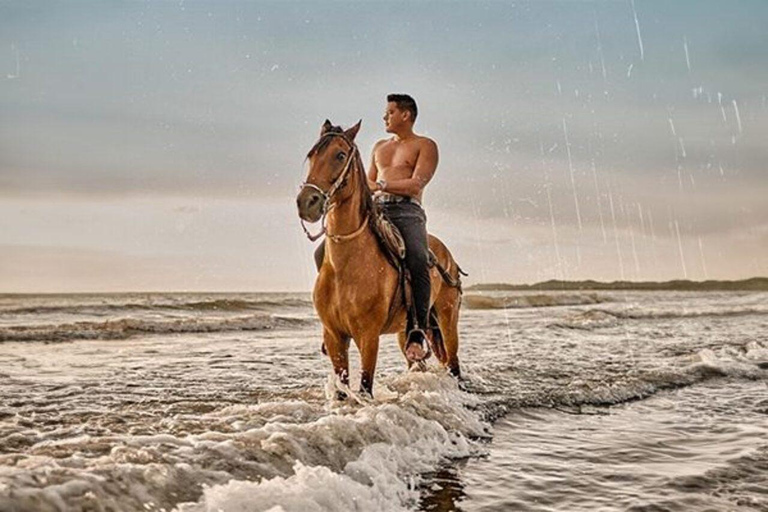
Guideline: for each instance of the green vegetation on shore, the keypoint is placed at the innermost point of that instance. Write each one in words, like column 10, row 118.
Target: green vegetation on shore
column 752, row 284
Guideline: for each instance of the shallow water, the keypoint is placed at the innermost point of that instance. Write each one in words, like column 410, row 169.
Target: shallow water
column 695, row 448
column 606, row 400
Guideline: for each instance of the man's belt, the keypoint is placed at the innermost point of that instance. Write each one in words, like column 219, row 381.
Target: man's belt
column 393, row 198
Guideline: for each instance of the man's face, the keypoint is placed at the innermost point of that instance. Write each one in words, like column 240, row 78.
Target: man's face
column 394, row 118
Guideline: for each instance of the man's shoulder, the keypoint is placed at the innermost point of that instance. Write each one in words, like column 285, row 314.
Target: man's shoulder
column 426, row 142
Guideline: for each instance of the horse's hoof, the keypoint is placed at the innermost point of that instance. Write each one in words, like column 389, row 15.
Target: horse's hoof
column 417, row 347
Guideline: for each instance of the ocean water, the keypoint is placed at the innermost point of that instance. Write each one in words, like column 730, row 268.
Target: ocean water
column 204, row 402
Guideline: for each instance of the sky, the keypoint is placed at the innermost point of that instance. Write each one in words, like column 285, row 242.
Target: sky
column 158, row 146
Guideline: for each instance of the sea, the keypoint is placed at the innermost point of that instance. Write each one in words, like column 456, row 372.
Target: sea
column 569, row 401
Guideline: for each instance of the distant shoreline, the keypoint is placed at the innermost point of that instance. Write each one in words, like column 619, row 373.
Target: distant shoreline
column 752, row 284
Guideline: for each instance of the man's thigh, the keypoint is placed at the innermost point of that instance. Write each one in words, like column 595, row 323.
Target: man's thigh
column 412, row 223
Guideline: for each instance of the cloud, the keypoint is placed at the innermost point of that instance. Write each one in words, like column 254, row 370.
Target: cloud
column 198, row 105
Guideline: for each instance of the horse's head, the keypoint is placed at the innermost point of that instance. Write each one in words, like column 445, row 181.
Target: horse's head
column 330, row 162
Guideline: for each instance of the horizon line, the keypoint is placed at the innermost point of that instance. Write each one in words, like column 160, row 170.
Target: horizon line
column 222, row 292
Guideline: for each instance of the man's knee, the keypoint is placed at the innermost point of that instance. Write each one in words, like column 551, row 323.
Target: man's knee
column 418, row 262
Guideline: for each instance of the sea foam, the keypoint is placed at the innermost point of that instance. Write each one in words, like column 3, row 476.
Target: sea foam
column 357, row 457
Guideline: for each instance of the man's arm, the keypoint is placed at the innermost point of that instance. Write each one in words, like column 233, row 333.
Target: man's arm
column 426, row 165
column 373, row 170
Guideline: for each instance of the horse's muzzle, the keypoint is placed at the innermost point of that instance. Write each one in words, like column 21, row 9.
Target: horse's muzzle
column 310, row 203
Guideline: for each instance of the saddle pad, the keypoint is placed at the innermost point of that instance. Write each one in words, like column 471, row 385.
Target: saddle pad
column 389, row 235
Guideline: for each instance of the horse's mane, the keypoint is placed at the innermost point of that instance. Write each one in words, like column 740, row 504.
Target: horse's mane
column 366, row 205
column 324, row 140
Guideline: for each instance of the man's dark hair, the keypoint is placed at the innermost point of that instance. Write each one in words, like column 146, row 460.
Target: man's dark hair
column 405, row 102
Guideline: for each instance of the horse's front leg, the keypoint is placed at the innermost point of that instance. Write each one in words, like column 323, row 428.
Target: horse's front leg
column 337, row 348
column 369, row 352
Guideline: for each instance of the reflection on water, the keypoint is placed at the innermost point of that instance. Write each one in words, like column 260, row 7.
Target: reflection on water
column 443, row 489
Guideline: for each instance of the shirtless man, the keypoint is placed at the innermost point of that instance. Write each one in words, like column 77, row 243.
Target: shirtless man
column 401, row 166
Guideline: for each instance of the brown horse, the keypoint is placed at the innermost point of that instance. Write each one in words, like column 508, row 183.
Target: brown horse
column 356, row 293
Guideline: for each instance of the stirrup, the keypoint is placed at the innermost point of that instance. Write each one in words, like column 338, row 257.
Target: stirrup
column 418, row 336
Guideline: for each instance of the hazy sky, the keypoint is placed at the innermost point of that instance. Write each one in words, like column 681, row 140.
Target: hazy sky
column 159, row 145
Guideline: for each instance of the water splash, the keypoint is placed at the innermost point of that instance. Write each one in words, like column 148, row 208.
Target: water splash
column 722, row 109
column 555, row 241
column 738, row 117
column 600, row 48
column 637, row 28
column 616, row 235
column 703, row 259
column 680, row 249
column 570, row 169
column 599, row 203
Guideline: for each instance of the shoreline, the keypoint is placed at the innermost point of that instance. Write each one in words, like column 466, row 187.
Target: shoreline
column 753, row 284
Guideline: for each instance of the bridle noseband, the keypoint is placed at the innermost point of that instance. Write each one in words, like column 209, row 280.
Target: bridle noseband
column 327, row 197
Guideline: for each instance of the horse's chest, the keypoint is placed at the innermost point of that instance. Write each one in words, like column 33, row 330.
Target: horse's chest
column 346, row 306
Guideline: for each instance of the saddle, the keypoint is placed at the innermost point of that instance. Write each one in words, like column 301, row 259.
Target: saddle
column 390, row 238
column 393, row 246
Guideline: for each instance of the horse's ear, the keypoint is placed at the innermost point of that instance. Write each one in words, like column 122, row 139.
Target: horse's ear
column 326, row 126
column 352, row 132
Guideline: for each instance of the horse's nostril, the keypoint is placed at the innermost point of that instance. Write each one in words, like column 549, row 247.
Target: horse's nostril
column 313, row 200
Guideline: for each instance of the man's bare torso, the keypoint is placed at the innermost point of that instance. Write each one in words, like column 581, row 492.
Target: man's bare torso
column 396, row 159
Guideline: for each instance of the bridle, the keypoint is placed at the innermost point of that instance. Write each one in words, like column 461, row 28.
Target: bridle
column 327, row 197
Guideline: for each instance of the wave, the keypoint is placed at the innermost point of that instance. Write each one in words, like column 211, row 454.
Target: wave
column 298, row 455
column 540, row 300
column 507, row 387
column 240, row 305
column 231, row 305
column 600, row 318
column 738, row 480
column 286, row 455
column 126, row 327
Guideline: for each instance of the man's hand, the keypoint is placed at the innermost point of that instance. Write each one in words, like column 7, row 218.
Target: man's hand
column 374, row 186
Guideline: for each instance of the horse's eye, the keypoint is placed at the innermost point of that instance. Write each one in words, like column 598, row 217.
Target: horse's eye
column 340, row 156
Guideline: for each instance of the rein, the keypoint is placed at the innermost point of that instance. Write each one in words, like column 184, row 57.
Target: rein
column 328, row 205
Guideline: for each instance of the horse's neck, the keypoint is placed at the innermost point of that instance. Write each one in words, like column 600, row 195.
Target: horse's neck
column 346, row 219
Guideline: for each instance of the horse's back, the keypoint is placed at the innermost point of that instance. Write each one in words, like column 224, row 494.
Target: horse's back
column 444, row 256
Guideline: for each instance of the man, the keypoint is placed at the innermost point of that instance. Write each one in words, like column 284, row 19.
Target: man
column 401, row 166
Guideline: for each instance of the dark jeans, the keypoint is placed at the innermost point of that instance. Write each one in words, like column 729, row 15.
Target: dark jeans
column 411, row 220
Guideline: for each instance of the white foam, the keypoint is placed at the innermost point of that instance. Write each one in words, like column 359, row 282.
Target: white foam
column 359, row 457
column 732, row 362
column 121, row 328
column 756, row 351
column 310, row 489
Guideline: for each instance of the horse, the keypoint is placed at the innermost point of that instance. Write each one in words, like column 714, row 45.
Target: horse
column 357, row 293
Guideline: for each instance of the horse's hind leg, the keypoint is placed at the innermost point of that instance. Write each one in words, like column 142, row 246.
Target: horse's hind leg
column 447, row 307
column 436, row 341
column 337, row 348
